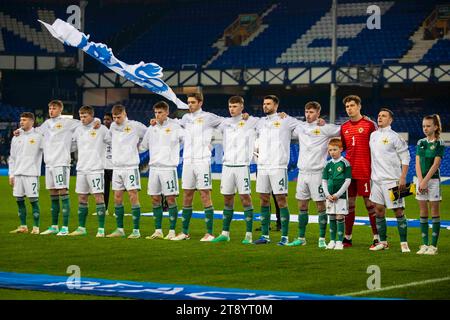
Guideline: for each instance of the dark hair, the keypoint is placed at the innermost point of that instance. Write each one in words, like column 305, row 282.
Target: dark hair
column 437, row 122
column 58, row 103
column 313, row 105
column 272, row 97
column 352, row 97
column 28, row 115
column 108, row 114
column 236, row 99
column 388, row 111
column 161, row 105
column 86, row 109
column 197, row 95
column 118, row 109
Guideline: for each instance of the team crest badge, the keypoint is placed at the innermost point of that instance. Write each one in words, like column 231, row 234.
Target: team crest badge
column 241, row 124
column 361, row 130
column 127, row 129
column 58, row 126
column 32, row 141
column 385, row 141
column 168, row 130
column 316, row 131
column 339, row 169
column 93, row 134
column 432, row 147
column 277, row 124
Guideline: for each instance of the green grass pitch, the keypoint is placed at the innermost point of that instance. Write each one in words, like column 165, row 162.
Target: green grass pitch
column 267, row 267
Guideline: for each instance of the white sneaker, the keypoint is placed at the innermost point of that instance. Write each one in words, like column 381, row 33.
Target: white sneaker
column 339, row 245
column 135, row 234
column 64, row 232
column 20, row 229
column 51, row 230
column 181, row 236
column 423, row 248
column 404, row 246
column 35, row 230
column 170, row 235
column 379, row 246
column 156, row 235
column 331, row 245
column 100, row 233
column 207, row 237
column 432, row 250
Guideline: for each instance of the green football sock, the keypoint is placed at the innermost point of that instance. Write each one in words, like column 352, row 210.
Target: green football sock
column 227, row 217
column 65, row 209
column 136, row 212
column 402, row 226
column 36, row 211
column 100, row 208
column 248, row 214
column 323, row 219
column 22, row 210
column 158, row 215
column 265, row 220
column 173, row 215
column 340, row 229
column 186, row 218
column 82, row 214
column 424, row 230
column 119, row 211
column 209, row 219
column 302, row 223
column 381, row 227
column 436, row 227
column 284, row 217
column 55, row 209
column 333, row 227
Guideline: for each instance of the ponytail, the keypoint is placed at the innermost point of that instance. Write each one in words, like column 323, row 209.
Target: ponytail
column 437, row 122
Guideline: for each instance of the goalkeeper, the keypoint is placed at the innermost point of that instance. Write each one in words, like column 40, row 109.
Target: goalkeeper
column 390, row 162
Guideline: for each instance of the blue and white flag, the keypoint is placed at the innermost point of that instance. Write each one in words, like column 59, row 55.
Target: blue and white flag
column 146, row 75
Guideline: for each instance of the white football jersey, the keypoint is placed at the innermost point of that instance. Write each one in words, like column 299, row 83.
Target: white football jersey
column 91, row 146
column 57, row 134
column 274, row 139
column 389, row 151
column 198, row 132
column 26, row 154
column 125, row 140
column 313, row 142
column 163, row 143
column 238, row 140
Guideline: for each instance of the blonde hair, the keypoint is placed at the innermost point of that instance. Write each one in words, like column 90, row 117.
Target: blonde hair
column 117, row 109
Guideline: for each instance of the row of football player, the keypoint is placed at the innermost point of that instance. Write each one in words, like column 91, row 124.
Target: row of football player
column 378, row 157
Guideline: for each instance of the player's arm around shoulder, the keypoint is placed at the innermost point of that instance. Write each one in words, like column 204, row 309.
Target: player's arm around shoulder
column 332, row 130
column 215, row 120
column 292, row 122
column 140, row 127
column 146, row 140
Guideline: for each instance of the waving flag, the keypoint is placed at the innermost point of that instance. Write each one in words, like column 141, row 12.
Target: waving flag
column 146, row 75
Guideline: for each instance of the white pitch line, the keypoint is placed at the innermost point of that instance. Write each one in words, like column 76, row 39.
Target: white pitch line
column 411, row 284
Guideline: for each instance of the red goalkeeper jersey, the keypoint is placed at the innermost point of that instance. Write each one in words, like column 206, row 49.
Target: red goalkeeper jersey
column 355, row 137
